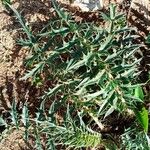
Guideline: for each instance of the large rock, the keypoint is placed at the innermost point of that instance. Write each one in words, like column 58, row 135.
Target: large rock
column 90, row 5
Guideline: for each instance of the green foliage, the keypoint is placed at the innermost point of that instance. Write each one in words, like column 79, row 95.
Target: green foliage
column 14, row 115
column 99, row 66
column 25, row 120
column 70, row 133
column 6, row 2
column 148, row 39
column 142, row 117
column 25, row 27
column 135, row 139
column 2, row 122
column 139, row 93
column 92, row 68
column 141, row 112
column 37, row 139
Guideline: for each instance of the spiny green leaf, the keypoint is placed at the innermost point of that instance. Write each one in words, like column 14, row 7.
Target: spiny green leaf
column 54, row 90
column 105, row 16
column 14, row 114
column 2, row 122
column 106, row 101
column 6, row 3
column 34, row 71
column 25, row 116
column 94, row 95
column 109, row 111
column 120, row 16
column 60, row 13
column 50, row 144
column 37, row 140
column 22, row 22
column 51, row 113
column 112, row 11
column 25, row 120
column 107, row 43
column 84, row 139
column 53, row 32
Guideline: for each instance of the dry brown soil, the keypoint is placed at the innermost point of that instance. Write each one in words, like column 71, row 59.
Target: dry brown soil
column 36, row 14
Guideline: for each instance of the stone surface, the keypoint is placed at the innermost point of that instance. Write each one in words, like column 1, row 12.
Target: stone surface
column 89, row 5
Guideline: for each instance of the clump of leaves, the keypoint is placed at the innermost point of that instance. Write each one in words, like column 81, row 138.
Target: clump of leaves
column 133, row 138
column 93, row 69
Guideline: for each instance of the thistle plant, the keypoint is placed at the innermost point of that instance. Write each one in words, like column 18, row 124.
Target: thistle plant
column 93, row 72
column 99, row 72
